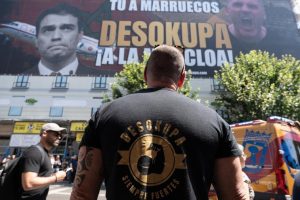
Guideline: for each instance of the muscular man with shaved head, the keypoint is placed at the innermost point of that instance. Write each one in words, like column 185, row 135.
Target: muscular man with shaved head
column 158, row 144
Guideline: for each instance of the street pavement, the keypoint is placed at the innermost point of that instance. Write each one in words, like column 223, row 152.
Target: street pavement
column 62, row 191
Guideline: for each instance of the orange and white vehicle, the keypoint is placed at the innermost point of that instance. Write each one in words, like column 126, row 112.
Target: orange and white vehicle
column 273, row 155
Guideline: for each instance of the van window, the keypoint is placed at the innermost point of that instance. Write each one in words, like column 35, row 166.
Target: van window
column 291, row 154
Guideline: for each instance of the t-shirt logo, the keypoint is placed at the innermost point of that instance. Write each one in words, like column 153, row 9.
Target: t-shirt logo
column 152, row 160
column 151, row 155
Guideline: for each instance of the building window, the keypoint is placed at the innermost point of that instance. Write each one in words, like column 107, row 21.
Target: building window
column 100, row 82
column 61, row 82
column 22, row 81
column 93, row 110
column 216, row 86
column 15, row 111
column 56, row 111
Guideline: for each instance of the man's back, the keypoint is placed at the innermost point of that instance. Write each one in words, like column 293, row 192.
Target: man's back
column 158, row 144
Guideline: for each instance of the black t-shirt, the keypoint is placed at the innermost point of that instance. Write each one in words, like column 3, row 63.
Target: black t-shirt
column 158, row 144
column 31, row 161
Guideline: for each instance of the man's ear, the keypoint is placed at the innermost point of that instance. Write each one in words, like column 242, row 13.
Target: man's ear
column 43, row 133
column 181, row 79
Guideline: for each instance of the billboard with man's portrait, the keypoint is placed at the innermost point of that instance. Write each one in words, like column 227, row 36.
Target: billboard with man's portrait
column 37, row 40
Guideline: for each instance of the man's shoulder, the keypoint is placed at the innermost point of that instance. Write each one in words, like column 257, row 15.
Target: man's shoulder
column 34, row 151
column 159, row 96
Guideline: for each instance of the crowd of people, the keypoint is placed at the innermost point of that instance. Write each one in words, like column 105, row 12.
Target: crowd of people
column 69, row 165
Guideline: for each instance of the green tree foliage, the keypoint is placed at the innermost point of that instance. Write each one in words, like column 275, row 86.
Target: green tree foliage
column 131, row 79
column 187, row 88
column 260, row 85
column 30, row 101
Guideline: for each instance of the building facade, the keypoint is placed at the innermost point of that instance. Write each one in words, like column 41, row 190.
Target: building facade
column 29, row 101
column 119, row 32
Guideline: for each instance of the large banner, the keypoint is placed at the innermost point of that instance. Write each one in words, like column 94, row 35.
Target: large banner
column 98, row 37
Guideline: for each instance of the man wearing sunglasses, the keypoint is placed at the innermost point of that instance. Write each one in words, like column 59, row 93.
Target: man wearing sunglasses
column 36, row 169
column 158, row 144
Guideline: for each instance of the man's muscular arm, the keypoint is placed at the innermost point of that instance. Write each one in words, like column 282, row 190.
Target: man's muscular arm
column 89, row 174
column 228, row 179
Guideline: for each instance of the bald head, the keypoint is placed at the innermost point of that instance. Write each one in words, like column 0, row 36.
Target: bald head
column 165, row 67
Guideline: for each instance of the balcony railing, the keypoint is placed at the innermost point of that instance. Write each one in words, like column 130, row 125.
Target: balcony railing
column 21, row 85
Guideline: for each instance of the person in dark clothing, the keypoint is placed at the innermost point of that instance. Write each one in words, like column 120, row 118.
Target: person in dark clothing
column 58, row 31
column 36, row 172
column 158, row 144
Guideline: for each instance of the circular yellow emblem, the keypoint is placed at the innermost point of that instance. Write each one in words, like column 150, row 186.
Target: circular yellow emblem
column 151, row 160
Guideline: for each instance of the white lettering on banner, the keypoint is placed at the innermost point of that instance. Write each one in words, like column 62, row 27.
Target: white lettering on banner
column 207, row 57
column 119, row 5
column 105, row 56
column 132, row 5
column 131, row 58
column 122, row 56
column 132, row 55
column 179, row 6
column 193, row 57
column 167, row 6
column 199, row 73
